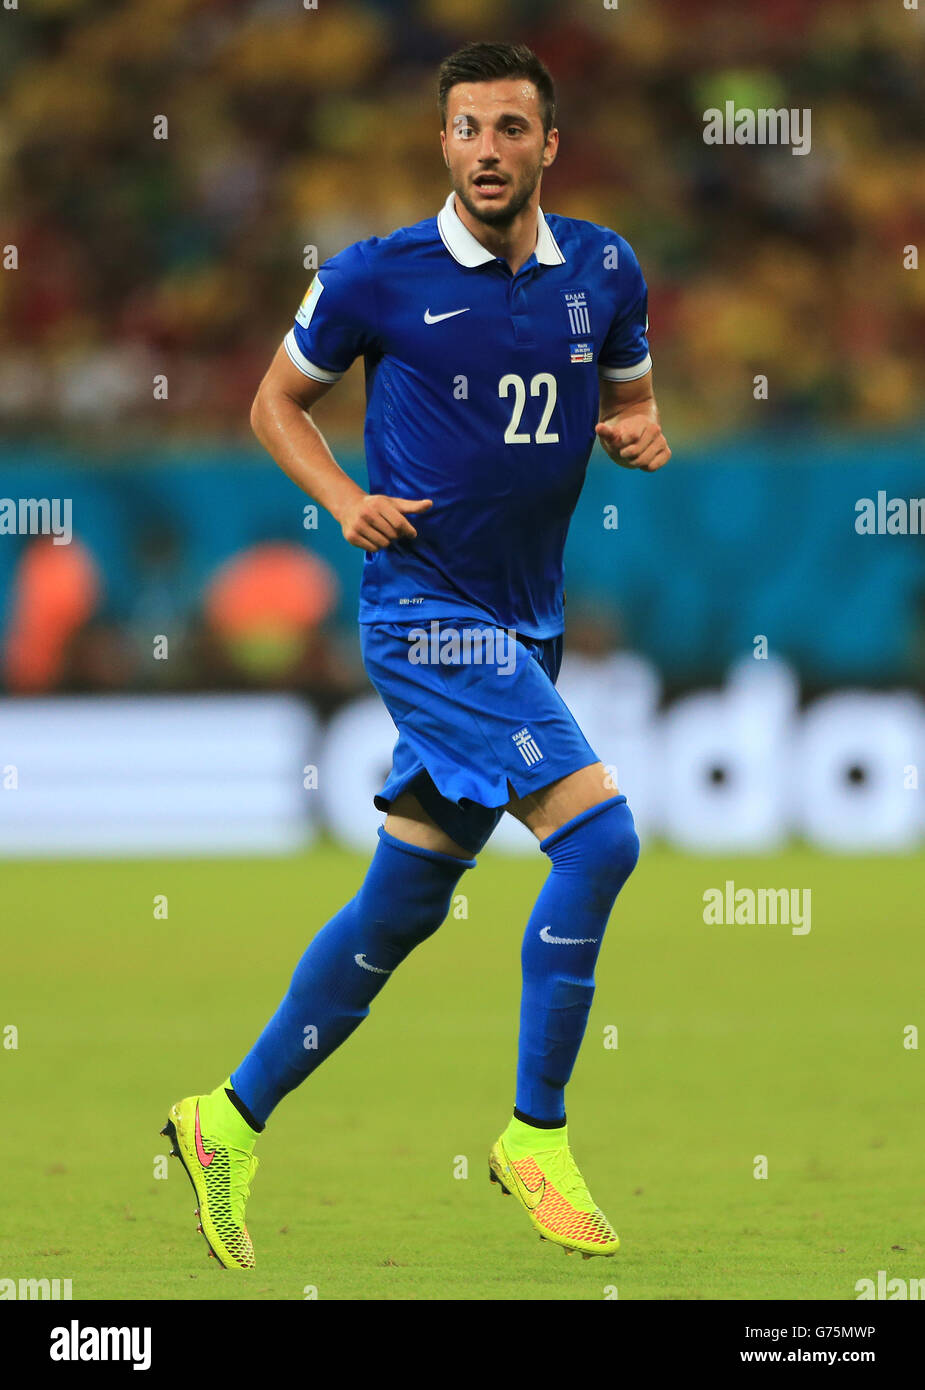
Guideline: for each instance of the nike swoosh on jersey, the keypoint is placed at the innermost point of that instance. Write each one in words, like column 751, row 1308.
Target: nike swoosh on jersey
column 374, row 968
column 204, row 1158
column 567, row 940
column 436, row 318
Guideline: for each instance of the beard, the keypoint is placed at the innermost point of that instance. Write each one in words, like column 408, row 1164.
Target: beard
column 520, row 196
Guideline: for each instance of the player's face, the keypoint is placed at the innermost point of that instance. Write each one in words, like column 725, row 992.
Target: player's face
column 494, row 147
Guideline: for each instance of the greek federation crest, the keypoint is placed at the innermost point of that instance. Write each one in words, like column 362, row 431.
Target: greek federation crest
column 579, row 313
column 529, row 748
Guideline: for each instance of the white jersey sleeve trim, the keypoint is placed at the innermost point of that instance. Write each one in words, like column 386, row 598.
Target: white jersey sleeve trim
column 626, row 373
column 298, row 359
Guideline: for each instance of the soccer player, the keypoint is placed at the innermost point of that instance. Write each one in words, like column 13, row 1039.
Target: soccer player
column 498, row 342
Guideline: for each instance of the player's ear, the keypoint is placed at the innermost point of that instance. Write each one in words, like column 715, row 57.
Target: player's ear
column 552, row 148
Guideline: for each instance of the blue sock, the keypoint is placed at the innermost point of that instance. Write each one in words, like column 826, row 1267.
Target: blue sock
column 592, row 857
column 403, row 899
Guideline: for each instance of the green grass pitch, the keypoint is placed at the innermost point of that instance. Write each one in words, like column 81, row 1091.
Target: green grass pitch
column 733, row 1042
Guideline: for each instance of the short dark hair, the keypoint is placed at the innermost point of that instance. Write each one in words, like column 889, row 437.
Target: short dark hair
column 484, row 62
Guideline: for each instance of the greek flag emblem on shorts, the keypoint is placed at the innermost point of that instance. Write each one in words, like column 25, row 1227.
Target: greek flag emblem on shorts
column 529, row 748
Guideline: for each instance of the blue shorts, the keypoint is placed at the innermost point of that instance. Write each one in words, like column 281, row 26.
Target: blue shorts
column 471, row 720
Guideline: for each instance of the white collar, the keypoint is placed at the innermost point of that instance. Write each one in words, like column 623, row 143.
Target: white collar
column 467, row 250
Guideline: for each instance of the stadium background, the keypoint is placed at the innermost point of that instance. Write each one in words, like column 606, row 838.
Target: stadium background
column 170, row 267
column 144, row 260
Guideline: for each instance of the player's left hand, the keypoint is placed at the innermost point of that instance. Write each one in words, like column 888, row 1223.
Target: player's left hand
column 634, row 441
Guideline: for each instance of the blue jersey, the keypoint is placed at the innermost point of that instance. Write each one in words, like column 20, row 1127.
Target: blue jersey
column 482, row 394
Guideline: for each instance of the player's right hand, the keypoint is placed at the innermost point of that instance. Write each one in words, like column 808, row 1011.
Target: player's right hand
column 374, row 521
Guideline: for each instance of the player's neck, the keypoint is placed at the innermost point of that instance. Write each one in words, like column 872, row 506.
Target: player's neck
column 514, row 243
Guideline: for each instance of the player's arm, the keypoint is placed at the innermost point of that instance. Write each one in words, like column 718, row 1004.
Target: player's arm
column 628, row 425
column 281, row 420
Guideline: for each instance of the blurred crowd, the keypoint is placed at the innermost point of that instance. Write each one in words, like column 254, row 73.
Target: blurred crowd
column 152, row 278
column 263, row 619
column 260, row 621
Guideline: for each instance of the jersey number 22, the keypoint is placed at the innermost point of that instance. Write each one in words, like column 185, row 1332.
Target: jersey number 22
column 517, row 384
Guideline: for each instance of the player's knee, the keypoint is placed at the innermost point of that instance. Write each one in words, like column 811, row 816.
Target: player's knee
column 601, row 845
column 407, row 894
column 623, row 840
column 415, row 916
